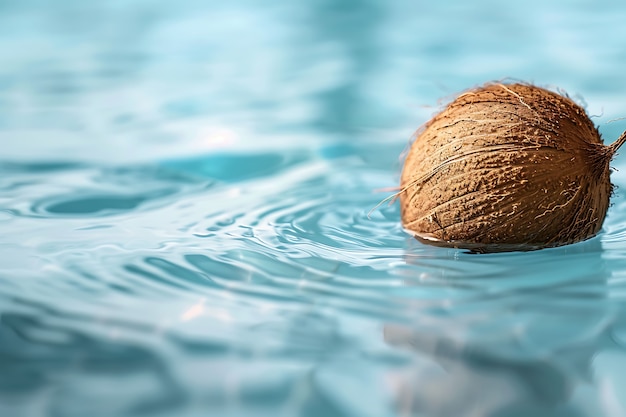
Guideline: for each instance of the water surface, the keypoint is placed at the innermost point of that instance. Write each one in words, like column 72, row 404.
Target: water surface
column 185, row 197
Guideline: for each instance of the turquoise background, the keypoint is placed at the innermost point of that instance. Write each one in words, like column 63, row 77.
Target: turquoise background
column 184, row 199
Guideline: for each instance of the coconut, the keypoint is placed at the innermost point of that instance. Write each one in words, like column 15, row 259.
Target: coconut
column 507, row 167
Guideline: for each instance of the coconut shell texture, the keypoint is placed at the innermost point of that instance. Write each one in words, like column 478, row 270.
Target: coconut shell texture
column 507, row 167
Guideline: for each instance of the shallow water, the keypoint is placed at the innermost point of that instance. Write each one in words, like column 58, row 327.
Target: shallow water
column 184, row 200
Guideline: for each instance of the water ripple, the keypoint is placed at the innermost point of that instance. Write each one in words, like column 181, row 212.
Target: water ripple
column 184, row 215
column 79, row 191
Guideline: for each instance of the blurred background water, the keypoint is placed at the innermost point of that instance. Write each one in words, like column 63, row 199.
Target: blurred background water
column 184, row 198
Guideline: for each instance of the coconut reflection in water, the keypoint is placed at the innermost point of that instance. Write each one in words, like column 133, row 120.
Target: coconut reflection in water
column 512, row 347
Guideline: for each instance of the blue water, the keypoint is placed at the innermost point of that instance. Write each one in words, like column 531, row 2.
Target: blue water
column 184, row 199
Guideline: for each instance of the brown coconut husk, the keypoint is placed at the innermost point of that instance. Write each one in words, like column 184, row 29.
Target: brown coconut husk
column 507, row 167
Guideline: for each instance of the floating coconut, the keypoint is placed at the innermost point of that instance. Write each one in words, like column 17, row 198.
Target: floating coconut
column 507, row 167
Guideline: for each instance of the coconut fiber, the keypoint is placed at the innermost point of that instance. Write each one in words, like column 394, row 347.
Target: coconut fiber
column 507, row 167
